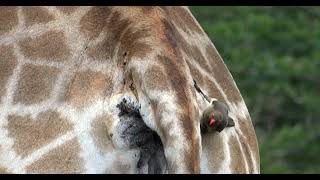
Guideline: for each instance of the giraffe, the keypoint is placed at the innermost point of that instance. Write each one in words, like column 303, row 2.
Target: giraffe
column 63, row 70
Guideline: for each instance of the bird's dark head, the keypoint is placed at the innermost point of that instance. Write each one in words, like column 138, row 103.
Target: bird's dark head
column 215, row 118
column 215, row 121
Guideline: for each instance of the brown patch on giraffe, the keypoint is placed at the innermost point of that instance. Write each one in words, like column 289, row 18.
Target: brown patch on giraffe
column 99, row 134
column 237, row 161
column 61, row 160
column 221, row 74
column 36, row 15
column 94, row 21
column 213, row 149
column 8, row 62
column 103, row 51
column 131, row 40
column 35, row 84
column 67, row 9
column 8, row 18
column 30, row 134
column 186, row 23
column 122, row 39
column 156, row 78
column 140, row 50
column 85, row 87
column 49, row 46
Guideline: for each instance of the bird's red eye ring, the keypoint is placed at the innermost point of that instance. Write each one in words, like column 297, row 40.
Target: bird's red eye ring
column 212, row 121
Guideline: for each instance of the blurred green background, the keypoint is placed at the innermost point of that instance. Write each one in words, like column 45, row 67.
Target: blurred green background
column 273, row 54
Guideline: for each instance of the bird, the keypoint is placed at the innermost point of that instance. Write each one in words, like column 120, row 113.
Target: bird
column 215, row 117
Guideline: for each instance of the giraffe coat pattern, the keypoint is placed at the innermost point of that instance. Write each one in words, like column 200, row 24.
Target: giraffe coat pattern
column 63, row 70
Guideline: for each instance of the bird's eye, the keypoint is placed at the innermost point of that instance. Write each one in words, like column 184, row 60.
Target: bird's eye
column 212, row 121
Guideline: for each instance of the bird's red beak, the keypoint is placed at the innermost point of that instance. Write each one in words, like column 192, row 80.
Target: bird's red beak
column 212, row 121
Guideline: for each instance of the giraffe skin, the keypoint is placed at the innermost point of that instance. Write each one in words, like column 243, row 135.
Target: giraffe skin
column 63, row 71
